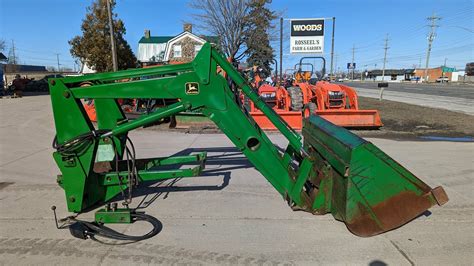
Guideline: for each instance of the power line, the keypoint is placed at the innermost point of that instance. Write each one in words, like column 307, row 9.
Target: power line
column 462, row 28
column 45, row 59
column 462, row 15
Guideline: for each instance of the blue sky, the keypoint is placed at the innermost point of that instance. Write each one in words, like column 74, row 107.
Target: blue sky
column 40, row 29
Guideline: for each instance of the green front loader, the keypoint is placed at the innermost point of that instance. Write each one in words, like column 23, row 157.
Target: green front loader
column 327, row 170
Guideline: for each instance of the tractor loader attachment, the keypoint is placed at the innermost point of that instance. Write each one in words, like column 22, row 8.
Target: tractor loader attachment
column 332, row 171
column 337, row 103
column 360, row 184
column 292, row 118
column 352, row 118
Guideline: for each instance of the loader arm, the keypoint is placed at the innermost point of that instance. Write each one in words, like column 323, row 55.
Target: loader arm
column 334, row 171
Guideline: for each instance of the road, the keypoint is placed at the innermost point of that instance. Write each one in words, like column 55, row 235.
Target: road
column 230, row 215
column 458, row 98
column 447, row 90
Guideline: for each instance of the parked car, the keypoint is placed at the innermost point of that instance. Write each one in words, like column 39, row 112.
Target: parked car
column 442, row 79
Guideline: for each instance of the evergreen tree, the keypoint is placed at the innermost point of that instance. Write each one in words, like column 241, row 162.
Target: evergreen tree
column 94, row 48
column 259, row 51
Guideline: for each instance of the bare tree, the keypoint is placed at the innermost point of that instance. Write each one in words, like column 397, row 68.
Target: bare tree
column 226, row 19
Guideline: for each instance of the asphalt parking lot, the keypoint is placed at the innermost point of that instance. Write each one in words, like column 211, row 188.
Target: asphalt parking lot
column 230, row 215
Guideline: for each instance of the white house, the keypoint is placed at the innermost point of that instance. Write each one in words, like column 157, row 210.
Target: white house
column 172, row 49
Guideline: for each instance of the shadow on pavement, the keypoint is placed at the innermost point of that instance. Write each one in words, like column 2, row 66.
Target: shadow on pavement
column 221, row 164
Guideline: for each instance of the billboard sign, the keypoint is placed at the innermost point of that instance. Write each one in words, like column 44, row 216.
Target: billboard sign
column 307, row 36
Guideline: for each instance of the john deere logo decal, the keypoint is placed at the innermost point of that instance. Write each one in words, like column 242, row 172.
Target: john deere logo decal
column 192, row 88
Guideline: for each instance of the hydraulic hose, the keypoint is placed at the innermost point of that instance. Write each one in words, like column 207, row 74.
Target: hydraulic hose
column 83, row 229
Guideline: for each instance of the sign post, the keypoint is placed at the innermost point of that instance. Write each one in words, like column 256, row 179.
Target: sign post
column 350, row 68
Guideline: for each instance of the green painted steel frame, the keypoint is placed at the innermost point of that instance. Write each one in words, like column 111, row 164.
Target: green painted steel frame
column 148, row 169
column 119, row 215
column 334, row 171
column 215, row 100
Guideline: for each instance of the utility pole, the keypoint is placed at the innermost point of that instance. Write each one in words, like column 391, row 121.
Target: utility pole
column 13, row 53
column 353, row 66
column 57, row 58
column 385, row 57
column 280, row 80
column 112, row 40
column 431, row 37
column 383, row 69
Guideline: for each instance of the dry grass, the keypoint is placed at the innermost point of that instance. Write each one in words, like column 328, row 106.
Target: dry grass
column 419, row 120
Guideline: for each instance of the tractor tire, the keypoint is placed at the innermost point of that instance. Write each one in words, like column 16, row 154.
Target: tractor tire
column 127, row 108
column 313, row 81
column 296, row 96
column 309, row 109
column 247, row 104
column 312, row 108
column 173, row 122
column 170, row 119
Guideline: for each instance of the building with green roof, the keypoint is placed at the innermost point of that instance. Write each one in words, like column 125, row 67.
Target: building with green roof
column 171, row 49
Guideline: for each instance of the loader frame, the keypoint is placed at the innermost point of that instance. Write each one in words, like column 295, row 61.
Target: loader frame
column 321, row 175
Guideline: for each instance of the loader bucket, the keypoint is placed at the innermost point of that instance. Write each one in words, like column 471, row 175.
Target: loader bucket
column 352, row 118
column 292, row 118
column 360, row 184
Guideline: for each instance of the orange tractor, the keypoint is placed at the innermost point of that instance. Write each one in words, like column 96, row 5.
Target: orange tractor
column 306, row 94
column 280, row 99
column 284, row 102
column 336, row 103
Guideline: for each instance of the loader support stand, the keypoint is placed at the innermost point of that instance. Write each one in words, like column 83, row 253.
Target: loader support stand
column 334, row 171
